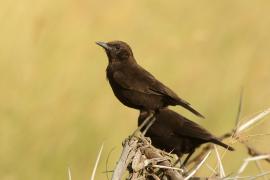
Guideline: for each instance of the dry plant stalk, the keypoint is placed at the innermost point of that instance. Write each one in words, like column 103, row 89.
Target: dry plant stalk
column 143, row 161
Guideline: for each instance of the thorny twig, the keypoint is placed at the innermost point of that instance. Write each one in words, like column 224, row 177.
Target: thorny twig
column 236, row 133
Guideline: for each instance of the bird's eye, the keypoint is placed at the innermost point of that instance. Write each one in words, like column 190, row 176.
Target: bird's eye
column 117, row 47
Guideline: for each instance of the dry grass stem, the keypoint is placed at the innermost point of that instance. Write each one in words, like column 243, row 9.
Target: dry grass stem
column 220, row 165
column 69, row 174
column 198, row 166
column 96, row 163
column 252, row 121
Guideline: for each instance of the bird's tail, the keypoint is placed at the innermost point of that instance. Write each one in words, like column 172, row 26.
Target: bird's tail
column 218, row 142
column 188, row 107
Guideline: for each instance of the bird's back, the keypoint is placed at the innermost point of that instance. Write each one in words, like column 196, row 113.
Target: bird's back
column 173, row 130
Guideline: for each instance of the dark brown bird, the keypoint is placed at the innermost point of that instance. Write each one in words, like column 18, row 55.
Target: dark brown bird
column 134, row 86
column 174, row 133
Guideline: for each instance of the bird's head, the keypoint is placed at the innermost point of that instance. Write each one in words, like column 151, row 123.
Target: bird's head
column 117, row 51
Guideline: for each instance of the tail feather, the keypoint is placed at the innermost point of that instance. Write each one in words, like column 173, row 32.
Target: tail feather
column 218, row 142
column 175, row 100
column 188, row 107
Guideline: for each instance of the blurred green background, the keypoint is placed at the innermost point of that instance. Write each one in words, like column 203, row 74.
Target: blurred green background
column 56, row 107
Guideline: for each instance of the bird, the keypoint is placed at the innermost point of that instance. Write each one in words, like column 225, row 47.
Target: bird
column 133, row 85
column 176, row 134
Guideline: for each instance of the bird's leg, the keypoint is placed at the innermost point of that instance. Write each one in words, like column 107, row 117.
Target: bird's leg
column 178, row 160
column 186, row 160
column 146, row 121
column 151, row 122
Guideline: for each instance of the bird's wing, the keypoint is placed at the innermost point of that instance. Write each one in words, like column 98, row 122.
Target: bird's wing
column 138, row 79
column 135, row 79
column 159, row 88
column 191, row 129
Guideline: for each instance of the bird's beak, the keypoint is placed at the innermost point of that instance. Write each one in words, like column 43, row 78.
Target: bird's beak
column 104, row 45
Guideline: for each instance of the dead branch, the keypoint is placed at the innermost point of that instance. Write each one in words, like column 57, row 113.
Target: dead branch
column 128, row 153
column 144, row 161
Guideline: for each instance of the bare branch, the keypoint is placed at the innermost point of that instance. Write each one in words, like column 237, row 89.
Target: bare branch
column 125, row 158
